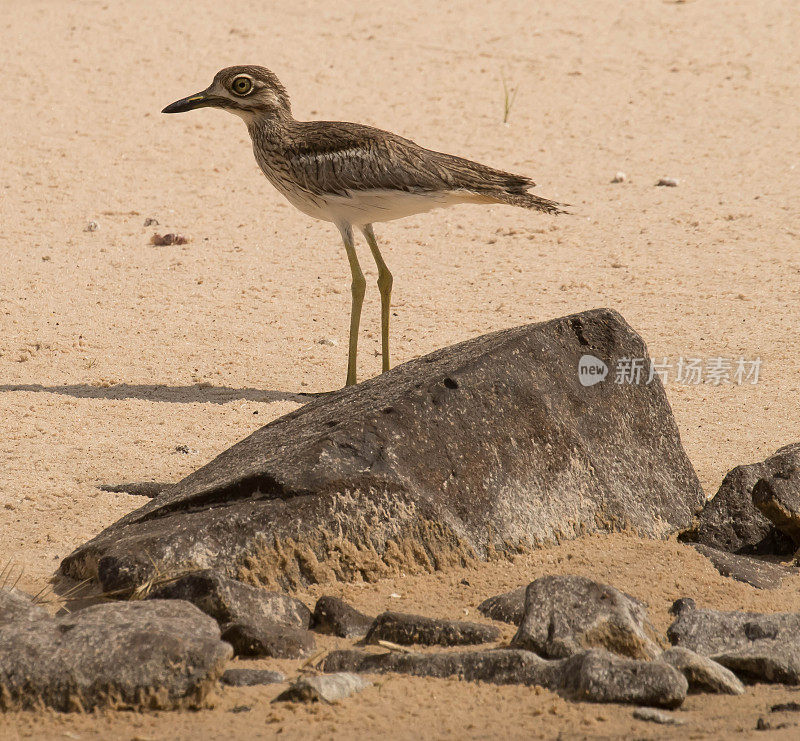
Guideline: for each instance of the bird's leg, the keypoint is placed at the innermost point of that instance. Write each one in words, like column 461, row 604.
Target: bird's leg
column 385, row 287
column 357, row 288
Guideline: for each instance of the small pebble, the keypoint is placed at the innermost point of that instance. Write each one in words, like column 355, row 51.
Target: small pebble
column 328, row 342
column 657, row 716
column 150, row 221
column 185, row 449
column 619, row 177
column 668, row 182
column 394, row 595
column 166, row 240
column 92, row 226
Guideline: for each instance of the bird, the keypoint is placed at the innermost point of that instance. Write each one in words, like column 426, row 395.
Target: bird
column 353, row 176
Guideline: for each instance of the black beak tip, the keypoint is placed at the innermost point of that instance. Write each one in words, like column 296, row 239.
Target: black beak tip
column 171, row 108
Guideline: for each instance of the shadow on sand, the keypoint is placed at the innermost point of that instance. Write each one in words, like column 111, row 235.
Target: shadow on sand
column 173, row 394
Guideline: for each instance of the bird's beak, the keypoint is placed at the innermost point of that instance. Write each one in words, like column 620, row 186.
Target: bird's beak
column 198, row 100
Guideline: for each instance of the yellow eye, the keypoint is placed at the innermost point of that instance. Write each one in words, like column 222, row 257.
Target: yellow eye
column 242, row 85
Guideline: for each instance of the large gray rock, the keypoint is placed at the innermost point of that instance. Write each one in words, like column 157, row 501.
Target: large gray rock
column 592, row 676
column 141, row 655
column 488, row 446
column 702, row 674
column 731, row 522
column 753, row 646
column 566, row 615
column 406, row 630
column 231, row 601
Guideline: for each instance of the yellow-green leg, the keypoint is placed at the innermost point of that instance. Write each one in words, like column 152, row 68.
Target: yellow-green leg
column 385, row 287
column 357, row 288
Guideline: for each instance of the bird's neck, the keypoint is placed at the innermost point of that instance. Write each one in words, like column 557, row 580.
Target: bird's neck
column 273, row 125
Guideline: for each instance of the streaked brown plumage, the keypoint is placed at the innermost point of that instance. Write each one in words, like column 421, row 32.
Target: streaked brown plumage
column 353, row 175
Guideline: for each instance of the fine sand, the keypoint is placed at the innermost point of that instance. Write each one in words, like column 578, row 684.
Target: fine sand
column 123, row 361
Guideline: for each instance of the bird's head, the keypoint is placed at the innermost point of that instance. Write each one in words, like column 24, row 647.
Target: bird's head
column 249, row 92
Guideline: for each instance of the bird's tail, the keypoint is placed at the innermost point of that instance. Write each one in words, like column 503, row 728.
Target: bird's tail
column 527, row 200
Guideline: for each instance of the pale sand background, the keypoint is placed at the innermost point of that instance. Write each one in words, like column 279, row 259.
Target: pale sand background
column 114, row 352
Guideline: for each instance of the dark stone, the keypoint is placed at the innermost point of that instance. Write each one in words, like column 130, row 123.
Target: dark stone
column 777, row 496
column 756, row 572
column 490, row 446
column 265, row 638
column 148, row 489
column 681, row 604
column 231, row 601
column 508, row 607
column 139, row 655
column 335, row 617
column 702, row 674
column 731, row 522
column 407, row 630
column 753, row 646
column 324, row 687
column 786, row 707
column 594, row 676
column 251, row 677
column 497, row 666
column 600, row 676
column 565, row 615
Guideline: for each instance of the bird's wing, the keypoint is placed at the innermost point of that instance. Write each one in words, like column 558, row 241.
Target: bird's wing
column 341, row 158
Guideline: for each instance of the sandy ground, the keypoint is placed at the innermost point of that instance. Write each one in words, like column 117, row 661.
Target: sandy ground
column 116, row 355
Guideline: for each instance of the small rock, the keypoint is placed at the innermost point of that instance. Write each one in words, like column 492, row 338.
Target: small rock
column 657, row 716
column 325, row 688
column 754, row 646
column 406, row 630
column 778, row 499
column 166, row 240
column 251, row 677
column 92, row 226
column 762, row 724
column 508, row 607
column 565, row 615
column 268, row 639
column 703, row 674
column 619, row 177
column 231, row 601
column 150, row 221
column 746, row 569
column 497, row 666
column 185, row 449
column 328, row 342
column 786, row 707
column 679, row 605
column 731, row 522
column 668, row 182
column 600, row 676
column 334, row 616
column 394, row 595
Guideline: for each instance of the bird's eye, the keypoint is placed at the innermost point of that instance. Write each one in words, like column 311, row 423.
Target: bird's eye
column 242, row 85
